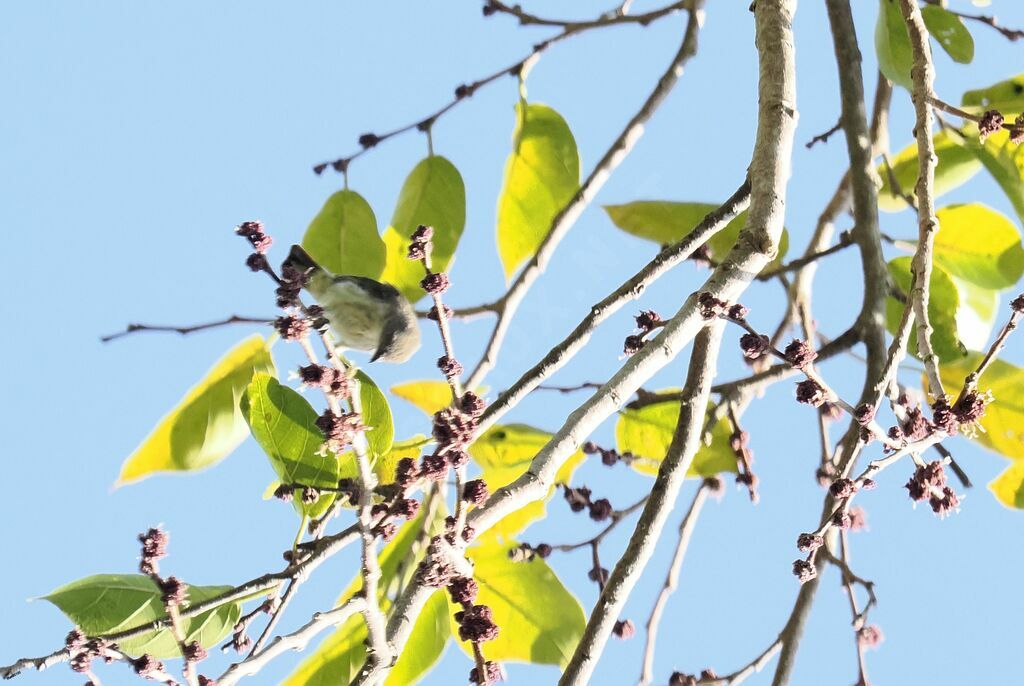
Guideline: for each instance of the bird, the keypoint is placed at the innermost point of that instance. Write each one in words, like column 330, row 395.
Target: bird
column 364, row 313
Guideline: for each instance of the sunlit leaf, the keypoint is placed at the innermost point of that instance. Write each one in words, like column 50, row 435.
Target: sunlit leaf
column 955, row 166
column 541, row 176
column 343, row 237
column 429, row 396
column 504, row 453
column 376, row 415
column 977, row 313
column 949, row 31
column 1005, row 162
column 433, row 194
column 109, row 603
column 540, row 620
column 977, row 244
column 665, row 222
column 207, row 424
column 646, row 433
column 1006, row 96
column 339, row 658
column 1004, row 417
column 943, row 301
column 284, row 424
column 892, row 44
column 1008, row 487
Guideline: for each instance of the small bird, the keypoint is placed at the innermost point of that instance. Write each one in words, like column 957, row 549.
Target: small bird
column 364, row 314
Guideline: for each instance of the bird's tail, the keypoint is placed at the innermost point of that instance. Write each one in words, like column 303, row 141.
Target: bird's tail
column 301, row 260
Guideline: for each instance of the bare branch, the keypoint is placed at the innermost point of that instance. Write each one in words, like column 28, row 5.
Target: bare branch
column 187, row 329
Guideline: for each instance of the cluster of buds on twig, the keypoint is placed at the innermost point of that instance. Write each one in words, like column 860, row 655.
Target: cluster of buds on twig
column 929, row 483
column 173, row 594
column 684, row 679
column 609, row 456
column 646, row 323
column 992, row 122
column 525, row 552
column 739, row 443
column 83, row 650
column 579, row 499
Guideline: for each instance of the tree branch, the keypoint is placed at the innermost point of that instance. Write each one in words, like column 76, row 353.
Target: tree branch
column 923, row 74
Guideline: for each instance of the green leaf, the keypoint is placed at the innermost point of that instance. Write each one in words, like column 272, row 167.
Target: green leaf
column 207, row 424
column 949, row 31
column 433, row 194
column 980, row 245
column 977, row 313
column 943, row 302
column 541, row 176
column 338, row 659
column 1005, row 162
column 1008, row 487
column 647, row 432
column 665, row 222
column 376, row 415
column 504, row 453
column 540, row 620
column 109, row 603
column 892, row 44
column 284, row 424
column 429, row 396
column 955, row 166
column 343, row 237
column 1006, row 96
column 1004, row 417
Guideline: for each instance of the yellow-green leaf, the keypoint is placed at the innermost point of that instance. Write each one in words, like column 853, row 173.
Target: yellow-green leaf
column 977, row 313
column 955, row 165
column 504, row 453
column 207, row 424
column 108, row 603
column 665, row 222
column 949, row 31
column 1004, row 417
column 429, row 396
column 977, row 244
column 541, row 176
column 943, row 303
column 646, row 433
column 433, row 194
column 540, row 620
column 892, row 44
column 1005, row 162
column 1008, row 487
column 1007, row 96
column 343, row 237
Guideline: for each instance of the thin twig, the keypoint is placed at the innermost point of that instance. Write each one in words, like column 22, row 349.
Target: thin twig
column 187, row 329
column 824, row 136
column 686, row 528
column 296, row 640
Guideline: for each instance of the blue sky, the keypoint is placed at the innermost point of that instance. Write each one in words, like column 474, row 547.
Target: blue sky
column 137, row 134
